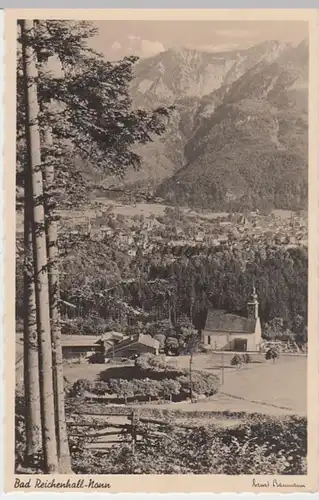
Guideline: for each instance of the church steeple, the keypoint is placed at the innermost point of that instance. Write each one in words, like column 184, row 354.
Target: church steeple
column 252, row 305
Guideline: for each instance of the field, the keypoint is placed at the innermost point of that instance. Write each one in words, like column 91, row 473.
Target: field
column 261, row 387
column 79, row 216
column 265, row 387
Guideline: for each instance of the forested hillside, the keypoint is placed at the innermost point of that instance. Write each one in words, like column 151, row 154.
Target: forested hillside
column 249, row 143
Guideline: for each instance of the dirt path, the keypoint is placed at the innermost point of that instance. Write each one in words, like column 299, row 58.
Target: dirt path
column 226, row 402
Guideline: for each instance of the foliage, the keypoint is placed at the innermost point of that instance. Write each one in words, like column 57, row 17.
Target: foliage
column 272, row 353
column 171, row 387
column 102, row 279
column 246, row 358
column 160, row 337
column 84, row 385
column 161, row 327
column 186, row 334
column 276, row 329
column 202, row 383
column 236, row 360
column 171, row 345
column 261, row 445
column 121, row 387
column 152, row 363
column 150, row 377
column 89, row 325
column 93, row 122
column 224, row 167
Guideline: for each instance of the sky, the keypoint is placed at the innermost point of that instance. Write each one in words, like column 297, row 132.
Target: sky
column 117, row 39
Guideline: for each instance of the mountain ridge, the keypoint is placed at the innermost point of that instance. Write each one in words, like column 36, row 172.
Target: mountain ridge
column 254, row 99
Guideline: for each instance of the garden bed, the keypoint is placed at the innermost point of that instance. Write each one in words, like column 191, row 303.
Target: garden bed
column 149, row 379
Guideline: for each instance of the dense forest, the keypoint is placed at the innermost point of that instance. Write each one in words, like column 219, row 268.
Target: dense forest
column 238, row 184
column 112, row 289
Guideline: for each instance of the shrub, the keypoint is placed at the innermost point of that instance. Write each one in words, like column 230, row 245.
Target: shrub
column 261, row 445
column 202, row 383
column 144, row 387
column 121, row 387
column 170, row 387
column 206, row 384
column 135, row 388
column 151, row 388
column 161, row 339
column 100, row 388
column 272, row 353
column 236, row 360
column 81, row 386
column 172, row 345
column 246, row 358
column 156, row 367
column 150, row 362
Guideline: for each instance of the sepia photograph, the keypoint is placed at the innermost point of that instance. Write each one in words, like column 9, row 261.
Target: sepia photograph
column 162, row 321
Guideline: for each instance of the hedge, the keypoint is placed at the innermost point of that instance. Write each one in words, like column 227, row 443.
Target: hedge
column 202, row 383
column 261, row 445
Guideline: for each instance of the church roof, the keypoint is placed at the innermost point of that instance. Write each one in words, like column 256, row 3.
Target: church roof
column 220, row 321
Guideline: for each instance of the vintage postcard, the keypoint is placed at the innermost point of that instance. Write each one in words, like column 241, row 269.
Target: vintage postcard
column 161, row 221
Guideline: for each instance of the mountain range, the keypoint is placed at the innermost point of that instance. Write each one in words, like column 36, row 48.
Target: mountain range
column 238, row 137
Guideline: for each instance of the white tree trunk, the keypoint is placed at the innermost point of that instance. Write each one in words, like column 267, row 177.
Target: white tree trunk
column 40, row 253
column 30, row 340
column 54, row 295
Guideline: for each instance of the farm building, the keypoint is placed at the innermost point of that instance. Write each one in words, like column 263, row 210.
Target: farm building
column 81, row 346
column 110, row 340
column 230, row 332
column 110, row 344
column 134, row 344
column 85, row 346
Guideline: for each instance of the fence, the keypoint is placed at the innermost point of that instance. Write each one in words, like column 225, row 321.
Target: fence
column 110, row 428
column 98, row 431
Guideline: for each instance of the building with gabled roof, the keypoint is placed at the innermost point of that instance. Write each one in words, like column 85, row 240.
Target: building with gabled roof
column 110, row 344
column 134, row 344
column 231, row 332
column 81, row 346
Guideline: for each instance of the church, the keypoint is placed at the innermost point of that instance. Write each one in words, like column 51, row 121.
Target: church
column 230, row 332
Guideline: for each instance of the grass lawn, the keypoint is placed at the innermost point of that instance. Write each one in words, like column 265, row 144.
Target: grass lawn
column 279, row 387
column 262, row 386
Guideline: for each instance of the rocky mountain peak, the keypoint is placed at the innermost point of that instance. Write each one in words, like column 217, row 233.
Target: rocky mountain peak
column 240, row 115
